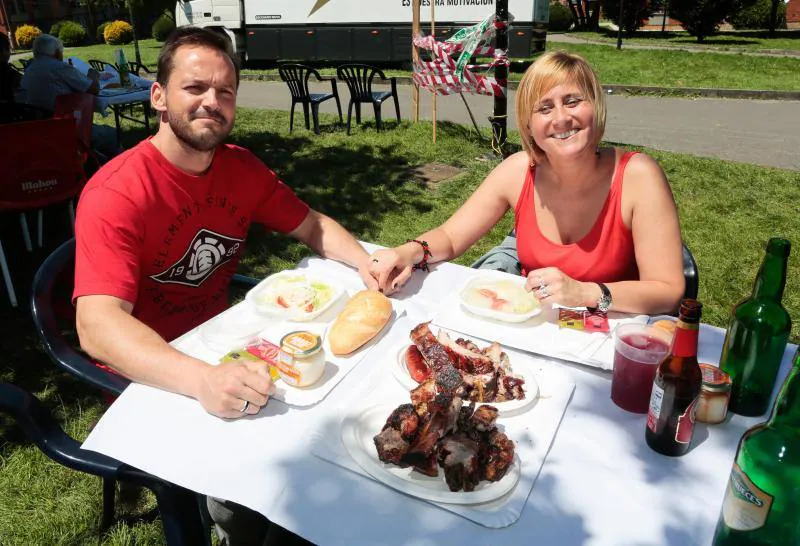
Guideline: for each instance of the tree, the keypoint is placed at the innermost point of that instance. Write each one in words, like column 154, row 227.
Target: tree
column 635, row 13
column 701, row 18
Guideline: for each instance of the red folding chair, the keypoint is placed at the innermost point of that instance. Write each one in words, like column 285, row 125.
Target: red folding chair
column 41, row 165
column 81, row 107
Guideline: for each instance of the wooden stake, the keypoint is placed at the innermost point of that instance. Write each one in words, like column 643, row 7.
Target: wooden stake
column 415, row 9
column 433, row 94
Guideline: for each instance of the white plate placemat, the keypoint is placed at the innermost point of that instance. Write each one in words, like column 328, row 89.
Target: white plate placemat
column 540, row 334
column 532, row 431
column 197, row 344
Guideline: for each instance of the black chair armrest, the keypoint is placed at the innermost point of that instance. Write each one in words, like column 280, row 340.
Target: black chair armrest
column 245, row 280
column 379, row 72
column 55, row 345
column 316, row 74
column 39, row 425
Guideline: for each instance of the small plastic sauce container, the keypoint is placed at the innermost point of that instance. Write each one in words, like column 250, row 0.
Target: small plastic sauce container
column 301, row 360
column 715, row 393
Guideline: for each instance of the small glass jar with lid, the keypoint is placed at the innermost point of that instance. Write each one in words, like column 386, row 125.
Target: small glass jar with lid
column 301, row 360
column 715, row 393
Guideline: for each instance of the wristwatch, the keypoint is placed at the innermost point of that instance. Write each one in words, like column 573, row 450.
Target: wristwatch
column 604, row 301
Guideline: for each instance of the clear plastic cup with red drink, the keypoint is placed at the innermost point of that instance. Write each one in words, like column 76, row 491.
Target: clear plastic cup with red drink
column 638, row 349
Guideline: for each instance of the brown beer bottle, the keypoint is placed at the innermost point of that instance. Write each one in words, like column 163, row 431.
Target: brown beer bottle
column 676, row 388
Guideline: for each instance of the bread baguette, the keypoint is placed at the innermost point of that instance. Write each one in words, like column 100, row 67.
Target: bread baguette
column 362, row 318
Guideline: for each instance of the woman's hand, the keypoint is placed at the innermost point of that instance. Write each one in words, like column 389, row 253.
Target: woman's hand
column 391, row 269
column 551, row 285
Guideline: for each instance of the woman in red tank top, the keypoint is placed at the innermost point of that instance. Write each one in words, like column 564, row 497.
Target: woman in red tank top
column 595, row 227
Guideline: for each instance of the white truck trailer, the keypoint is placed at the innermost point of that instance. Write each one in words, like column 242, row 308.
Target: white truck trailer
column 352, row 30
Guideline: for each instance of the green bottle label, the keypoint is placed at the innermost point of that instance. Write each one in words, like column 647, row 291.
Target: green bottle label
column 745, row 507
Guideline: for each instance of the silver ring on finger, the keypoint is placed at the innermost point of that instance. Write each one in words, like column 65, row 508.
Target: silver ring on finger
column 246, row 405
column 544, row 292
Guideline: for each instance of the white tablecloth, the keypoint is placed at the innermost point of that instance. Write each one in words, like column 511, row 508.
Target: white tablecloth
column 600, row 483
column 139, row 91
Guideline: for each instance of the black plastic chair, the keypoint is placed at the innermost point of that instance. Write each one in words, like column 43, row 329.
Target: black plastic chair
column 359, row 79
column 296, row 77
column 138, row 68
column 691, row 274
column 178, row 507
column 100, row 66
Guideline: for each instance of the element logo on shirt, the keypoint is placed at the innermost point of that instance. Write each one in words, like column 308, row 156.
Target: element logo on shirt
column 206, row 253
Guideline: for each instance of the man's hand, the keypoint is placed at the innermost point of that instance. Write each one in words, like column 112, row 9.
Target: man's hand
column 235, row 389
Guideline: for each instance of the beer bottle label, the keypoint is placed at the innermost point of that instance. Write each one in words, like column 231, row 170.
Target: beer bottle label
column 745, row 507
column 654, row 412
column 683, row 432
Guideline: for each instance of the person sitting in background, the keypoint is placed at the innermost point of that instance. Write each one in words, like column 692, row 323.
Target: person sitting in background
column 48, row 76
column 595, row 227
column 9, row 78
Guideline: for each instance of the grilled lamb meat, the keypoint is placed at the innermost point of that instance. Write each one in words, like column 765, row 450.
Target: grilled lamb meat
column 423, row 395
column 391, row 446
column 465, row 358
column 510, row 388
column 444, row 415
column 434, row 352
column 496, row 456
column 483, row 372
column 484, row 418
column 405, row 420
column 458, row 456
column 437, row 431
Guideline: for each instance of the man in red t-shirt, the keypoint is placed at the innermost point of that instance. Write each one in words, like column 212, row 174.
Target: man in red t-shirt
column 160, row 230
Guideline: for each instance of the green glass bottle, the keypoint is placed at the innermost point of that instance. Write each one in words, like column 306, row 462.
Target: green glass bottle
column 762, row 500
column 757, row 335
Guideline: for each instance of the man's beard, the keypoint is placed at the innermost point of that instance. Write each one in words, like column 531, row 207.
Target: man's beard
column 202, row 142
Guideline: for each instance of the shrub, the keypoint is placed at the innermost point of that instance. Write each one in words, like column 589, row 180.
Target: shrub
column 25, row 35
column 118, row 32
column 72, row 34
column 635, row 13
column 755, row 15
column 560, row 17
column 163, row 27
column 56, row 28
column 101, row 28
column 700, row 18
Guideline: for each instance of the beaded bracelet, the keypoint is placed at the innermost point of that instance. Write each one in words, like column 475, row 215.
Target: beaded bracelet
column 426, row 253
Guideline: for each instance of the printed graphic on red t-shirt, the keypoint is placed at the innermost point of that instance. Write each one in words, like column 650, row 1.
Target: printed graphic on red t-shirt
column 206, row 253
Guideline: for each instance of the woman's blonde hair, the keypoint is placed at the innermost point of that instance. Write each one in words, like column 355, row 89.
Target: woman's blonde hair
column 552, row 69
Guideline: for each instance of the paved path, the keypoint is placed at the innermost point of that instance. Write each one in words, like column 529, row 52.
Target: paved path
column 762, row 132
column 732, row 50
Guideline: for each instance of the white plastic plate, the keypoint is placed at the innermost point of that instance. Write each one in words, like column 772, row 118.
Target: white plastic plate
column 255, row 297
column 494, row 276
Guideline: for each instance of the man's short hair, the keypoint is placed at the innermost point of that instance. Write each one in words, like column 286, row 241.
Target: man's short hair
column 192, row 36
column 47, row 45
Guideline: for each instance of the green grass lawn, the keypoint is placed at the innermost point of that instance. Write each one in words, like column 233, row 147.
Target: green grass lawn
column 728, row 211
column 626, row 67
column 681, row 69
column 749, row 40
